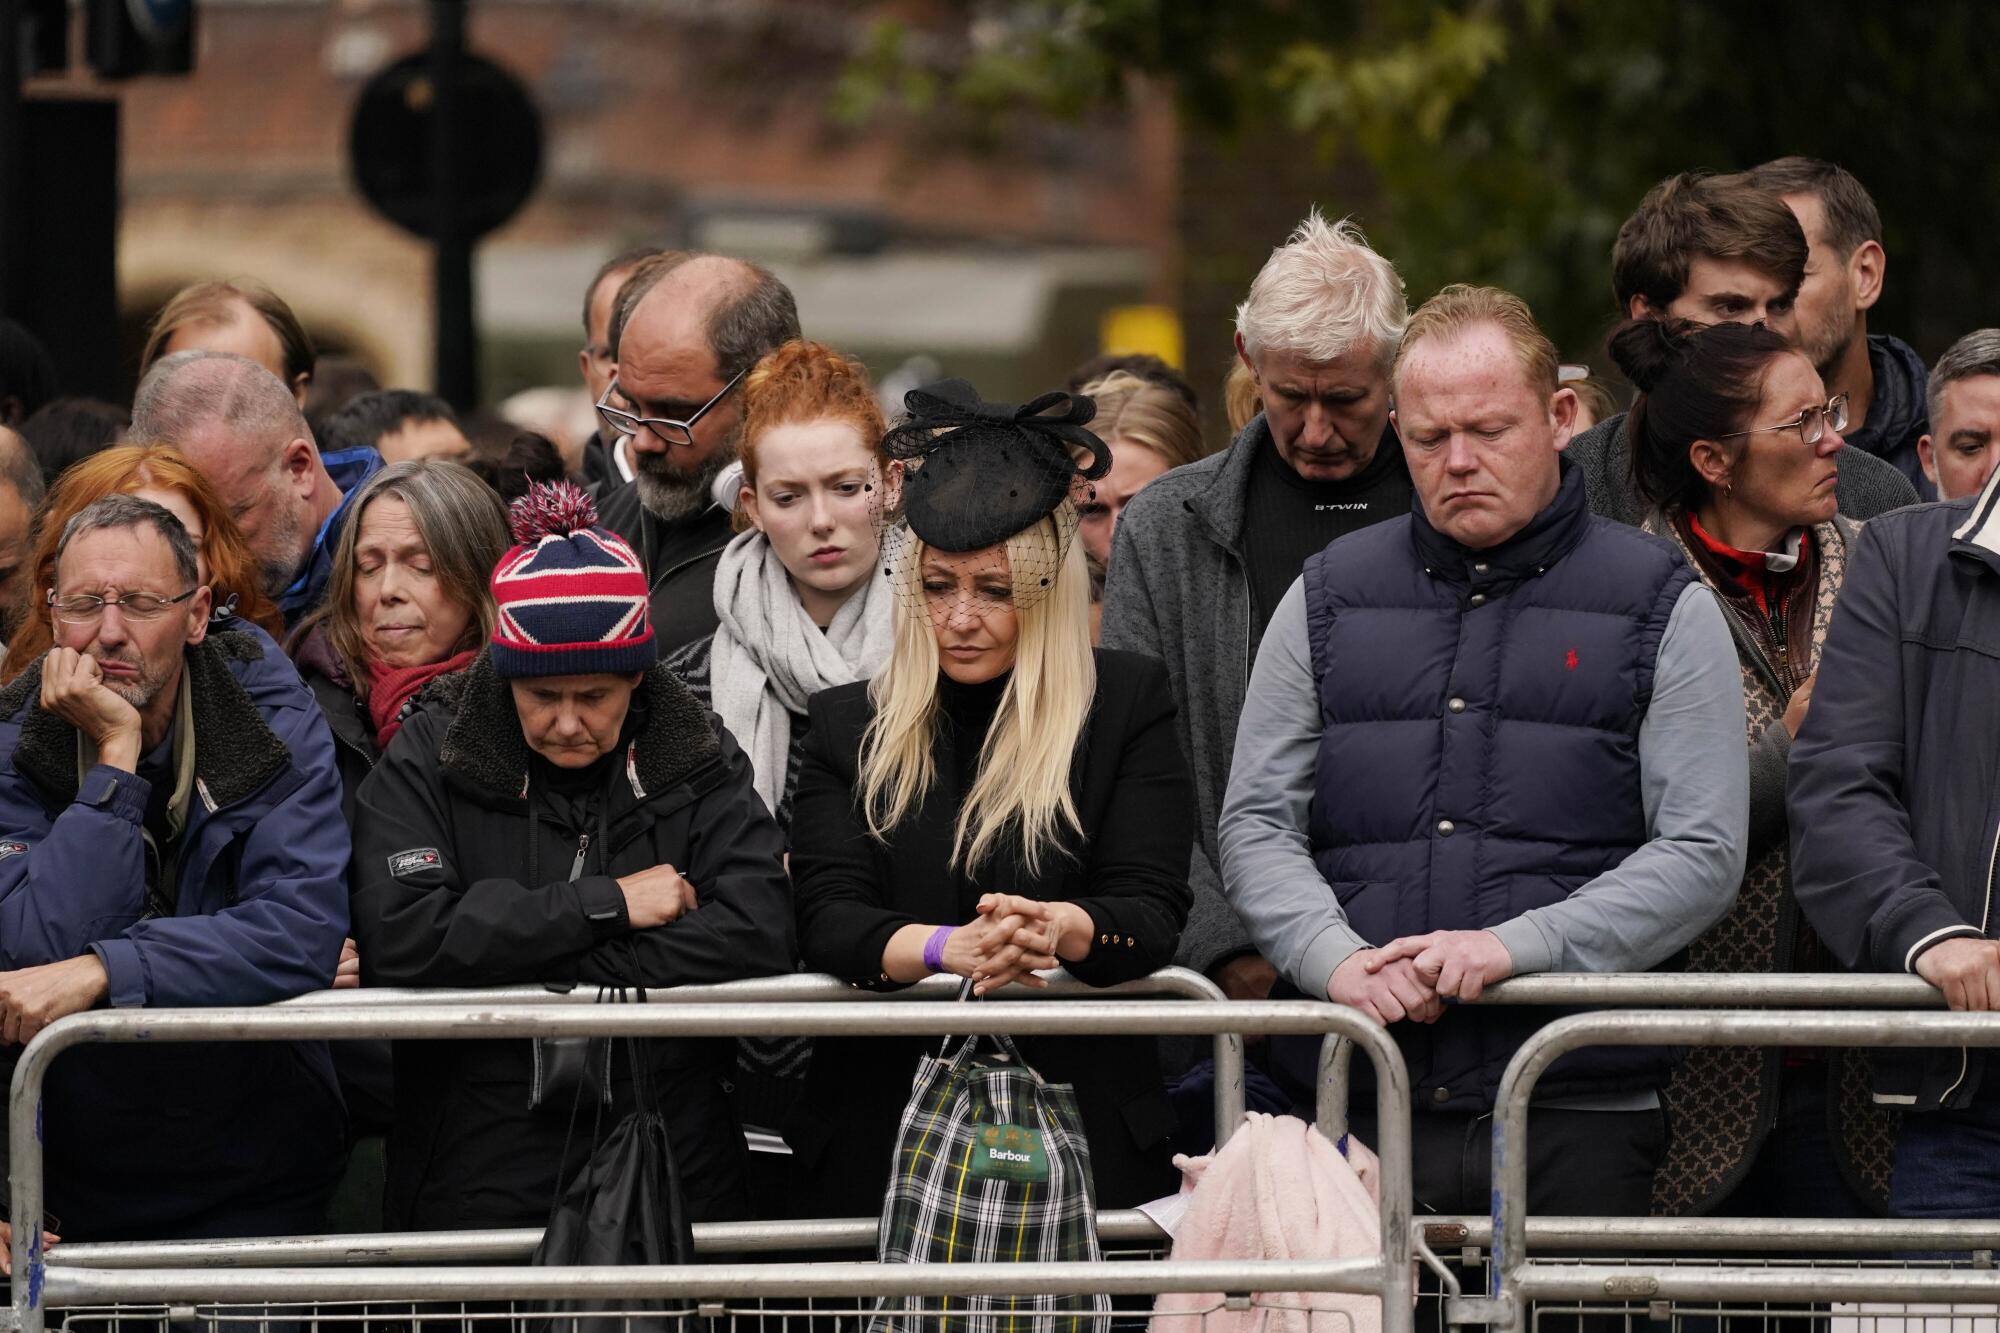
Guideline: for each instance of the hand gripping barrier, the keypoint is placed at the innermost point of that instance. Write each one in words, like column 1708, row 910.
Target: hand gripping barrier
column 36, row 1285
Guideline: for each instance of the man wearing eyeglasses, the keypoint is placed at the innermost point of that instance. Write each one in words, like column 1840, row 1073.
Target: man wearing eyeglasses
column 1713, row 249
column 686, row 330
column 607, row 457
column 170, row 836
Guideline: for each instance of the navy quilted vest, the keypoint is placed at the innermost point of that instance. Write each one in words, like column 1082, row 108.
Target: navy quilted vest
column 1481, row 748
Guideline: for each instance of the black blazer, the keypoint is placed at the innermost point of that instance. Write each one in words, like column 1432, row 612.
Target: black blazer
column 1135, row 797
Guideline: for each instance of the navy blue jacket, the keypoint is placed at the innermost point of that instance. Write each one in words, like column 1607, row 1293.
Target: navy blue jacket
column 1472, row 816
column 1894, row 790
column 156, row 1141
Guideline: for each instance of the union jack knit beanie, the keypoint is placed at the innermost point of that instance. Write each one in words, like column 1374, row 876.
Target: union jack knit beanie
column 571, row 597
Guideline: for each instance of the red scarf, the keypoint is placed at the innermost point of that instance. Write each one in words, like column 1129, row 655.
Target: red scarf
column 1760, row 574
column 390, row 690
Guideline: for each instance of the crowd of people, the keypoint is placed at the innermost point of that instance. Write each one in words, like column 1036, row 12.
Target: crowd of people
column 1444, row 669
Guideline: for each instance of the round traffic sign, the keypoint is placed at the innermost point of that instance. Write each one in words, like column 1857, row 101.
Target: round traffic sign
column 498, row 156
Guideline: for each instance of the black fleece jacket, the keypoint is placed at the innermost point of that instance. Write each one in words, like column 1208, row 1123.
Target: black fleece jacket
column 1135, row 798
column 444, row 895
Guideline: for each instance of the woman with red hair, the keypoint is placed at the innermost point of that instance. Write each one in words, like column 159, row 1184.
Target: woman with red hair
column 163, row 476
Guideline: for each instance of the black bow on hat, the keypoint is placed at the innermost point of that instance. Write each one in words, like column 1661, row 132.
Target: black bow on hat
column 986, row 471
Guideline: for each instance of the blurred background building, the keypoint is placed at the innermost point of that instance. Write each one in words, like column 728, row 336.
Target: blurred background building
column 1002, row 188
column 704, row 125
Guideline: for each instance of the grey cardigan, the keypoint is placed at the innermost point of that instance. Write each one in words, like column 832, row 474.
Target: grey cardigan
column 1178, row 590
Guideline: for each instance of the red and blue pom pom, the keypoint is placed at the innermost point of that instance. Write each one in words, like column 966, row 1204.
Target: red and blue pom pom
column 551, row 509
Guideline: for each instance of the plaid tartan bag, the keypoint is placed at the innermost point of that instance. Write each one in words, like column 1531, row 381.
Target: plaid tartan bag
column 991, row 1167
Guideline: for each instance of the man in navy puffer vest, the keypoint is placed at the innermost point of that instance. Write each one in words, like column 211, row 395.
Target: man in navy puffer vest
column 1497, row 736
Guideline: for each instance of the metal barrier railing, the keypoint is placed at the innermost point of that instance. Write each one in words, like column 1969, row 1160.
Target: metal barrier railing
column 815, row 987
column 1583, row 990
column 36, row 1285
column 1472, row 1237
column 1514, row 1282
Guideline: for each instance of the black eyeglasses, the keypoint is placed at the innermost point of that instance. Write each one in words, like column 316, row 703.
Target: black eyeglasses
column 666, row 430
column 1811, row 424
column 139, row 607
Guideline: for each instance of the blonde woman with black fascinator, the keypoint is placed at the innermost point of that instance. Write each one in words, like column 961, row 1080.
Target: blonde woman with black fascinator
column 1000, row 800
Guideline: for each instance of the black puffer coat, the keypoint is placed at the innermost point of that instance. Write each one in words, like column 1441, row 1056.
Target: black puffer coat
column 444, row 896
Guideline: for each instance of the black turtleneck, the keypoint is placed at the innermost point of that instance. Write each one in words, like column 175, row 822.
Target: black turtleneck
column 1290, row 519
column 969, row 710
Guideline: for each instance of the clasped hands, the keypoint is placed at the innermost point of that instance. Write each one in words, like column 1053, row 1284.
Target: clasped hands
column 1010, row 938
column 1412, row 977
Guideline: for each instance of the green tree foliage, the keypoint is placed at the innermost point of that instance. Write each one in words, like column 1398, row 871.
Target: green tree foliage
column 1509, row 138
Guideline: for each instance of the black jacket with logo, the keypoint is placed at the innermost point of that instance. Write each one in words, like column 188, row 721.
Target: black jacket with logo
column 459, row 881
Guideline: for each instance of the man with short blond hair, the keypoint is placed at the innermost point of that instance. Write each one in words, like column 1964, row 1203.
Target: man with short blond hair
column 1497, row 735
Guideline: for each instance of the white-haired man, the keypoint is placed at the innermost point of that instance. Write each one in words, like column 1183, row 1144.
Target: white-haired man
column 1193, row 581
column 241, row 427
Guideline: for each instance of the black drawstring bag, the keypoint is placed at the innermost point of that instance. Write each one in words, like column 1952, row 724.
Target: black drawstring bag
column 623, row 1206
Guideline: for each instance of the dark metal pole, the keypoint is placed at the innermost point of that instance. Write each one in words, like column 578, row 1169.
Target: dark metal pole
column 457, row 368
column 13, row 186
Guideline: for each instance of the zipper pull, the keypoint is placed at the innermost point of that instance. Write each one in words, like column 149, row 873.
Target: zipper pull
column 582, row 850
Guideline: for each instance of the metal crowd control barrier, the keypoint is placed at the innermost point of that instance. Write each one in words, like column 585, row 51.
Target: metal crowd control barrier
column 1611, row 1286
column 813, row 987
column 36, row 1285
column 1514, row 1282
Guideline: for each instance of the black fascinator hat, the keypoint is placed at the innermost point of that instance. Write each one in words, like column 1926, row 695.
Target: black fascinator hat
column 979, row 472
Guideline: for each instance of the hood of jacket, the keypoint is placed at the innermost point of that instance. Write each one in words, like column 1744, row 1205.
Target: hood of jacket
column 236, row 752
column 484, row 747
column 1897, row 414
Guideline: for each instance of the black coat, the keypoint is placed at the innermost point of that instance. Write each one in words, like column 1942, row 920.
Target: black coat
column 1894, row 791
column 1135, row 798
column 680, row 560
column 448, row 891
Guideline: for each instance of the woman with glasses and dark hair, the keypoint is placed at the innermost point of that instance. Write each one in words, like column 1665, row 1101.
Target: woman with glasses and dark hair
column 1736, row 447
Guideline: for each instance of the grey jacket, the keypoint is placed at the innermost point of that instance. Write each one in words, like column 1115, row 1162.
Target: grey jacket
column 1868, row 486
column 1178, row 590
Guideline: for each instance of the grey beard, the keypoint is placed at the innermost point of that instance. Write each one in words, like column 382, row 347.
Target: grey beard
column 674, row 497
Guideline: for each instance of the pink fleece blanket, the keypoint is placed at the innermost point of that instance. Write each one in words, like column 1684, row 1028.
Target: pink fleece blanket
column 1277, row 1190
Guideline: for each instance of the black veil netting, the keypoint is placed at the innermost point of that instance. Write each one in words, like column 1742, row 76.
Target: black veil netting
column 976, row 474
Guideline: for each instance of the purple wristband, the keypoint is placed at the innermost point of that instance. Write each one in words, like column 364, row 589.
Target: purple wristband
column 934, row 948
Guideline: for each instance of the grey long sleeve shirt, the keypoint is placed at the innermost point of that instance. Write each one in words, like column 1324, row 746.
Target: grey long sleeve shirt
column 1694, row 777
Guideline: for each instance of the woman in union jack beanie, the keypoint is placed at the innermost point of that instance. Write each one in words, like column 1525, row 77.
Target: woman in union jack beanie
column 562, row 810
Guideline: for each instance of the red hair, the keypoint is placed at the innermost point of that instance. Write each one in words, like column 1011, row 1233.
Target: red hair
column 232, row 571
column 807, row 381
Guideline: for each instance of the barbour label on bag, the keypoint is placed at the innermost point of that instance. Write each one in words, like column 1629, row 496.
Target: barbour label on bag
column 1009, row 1152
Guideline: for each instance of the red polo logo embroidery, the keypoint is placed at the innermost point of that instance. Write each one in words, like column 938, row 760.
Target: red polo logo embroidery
column 1569, row 661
